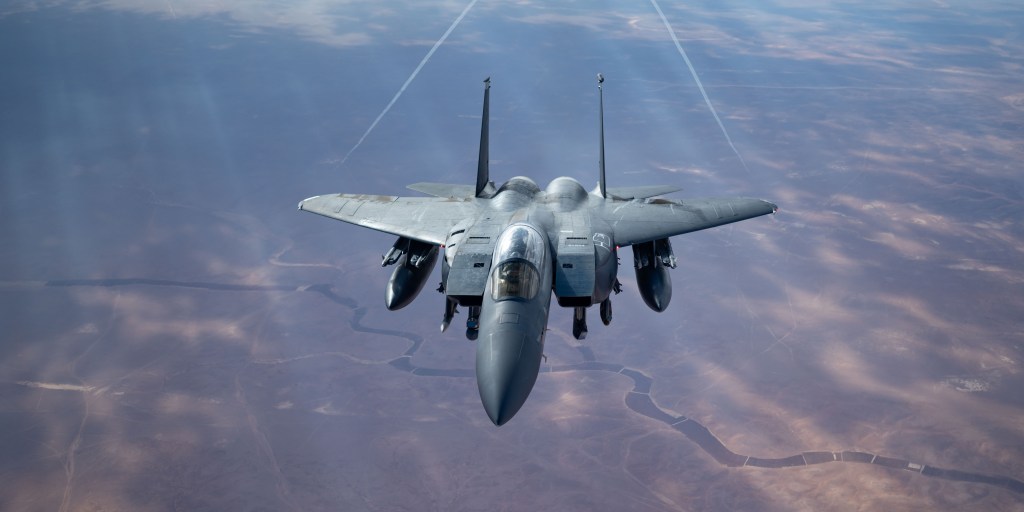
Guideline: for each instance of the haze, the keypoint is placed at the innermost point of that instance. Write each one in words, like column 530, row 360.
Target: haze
column 177, row 336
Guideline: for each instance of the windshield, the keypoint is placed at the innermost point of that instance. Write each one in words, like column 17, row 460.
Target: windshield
column 515, row 279
column 517, row 256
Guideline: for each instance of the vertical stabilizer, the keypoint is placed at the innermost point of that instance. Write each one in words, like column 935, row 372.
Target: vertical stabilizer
column 482, row 173
column 600, row 96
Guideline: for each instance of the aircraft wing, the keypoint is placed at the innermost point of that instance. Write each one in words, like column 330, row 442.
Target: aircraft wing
column 625, row 193
column 427, row 219
column 642, row 221
column 641, row 192
column 443, row 189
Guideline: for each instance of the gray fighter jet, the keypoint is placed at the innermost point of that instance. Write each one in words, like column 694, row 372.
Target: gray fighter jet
column 506, row 249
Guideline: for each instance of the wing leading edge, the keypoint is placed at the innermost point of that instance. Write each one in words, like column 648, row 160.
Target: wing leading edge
column 634, row 222
column 427, row 219
column 443, row 189
column 641, row 192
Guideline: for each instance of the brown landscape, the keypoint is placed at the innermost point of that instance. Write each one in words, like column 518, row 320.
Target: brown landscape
column 178, row 337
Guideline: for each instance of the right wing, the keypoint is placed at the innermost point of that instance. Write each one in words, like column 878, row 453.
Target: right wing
column 427, row 219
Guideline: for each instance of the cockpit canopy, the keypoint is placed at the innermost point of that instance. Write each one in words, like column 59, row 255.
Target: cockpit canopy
column 518, row 254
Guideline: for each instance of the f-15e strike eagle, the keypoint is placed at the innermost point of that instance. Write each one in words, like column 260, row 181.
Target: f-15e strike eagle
column 506, row 249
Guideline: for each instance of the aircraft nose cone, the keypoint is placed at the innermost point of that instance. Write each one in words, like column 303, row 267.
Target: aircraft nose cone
column 498, row 410
column 506, row 370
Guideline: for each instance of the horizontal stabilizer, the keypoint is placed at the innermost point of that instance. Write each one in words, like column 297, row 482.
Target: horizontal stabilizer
column 443, row 189
column 642, row 192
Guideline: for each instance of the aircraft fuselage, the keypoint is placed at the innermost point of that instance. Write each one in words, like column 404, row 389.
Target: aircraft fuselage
column 513, row 320
column 549, row 244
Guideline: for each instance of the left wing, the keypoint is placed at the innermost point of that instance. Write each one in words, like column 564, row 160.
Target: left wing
column 443, row 189
column 639, row 221
column 641, row 192
column 427, row 219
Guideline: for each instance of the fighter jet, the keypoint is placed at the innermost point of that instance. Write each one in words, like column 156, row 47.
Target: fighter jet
column 507, row 249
